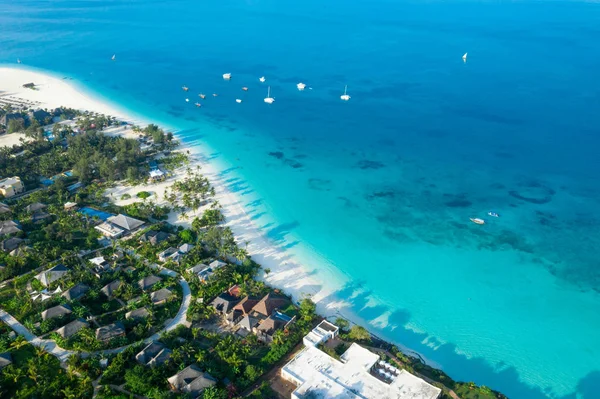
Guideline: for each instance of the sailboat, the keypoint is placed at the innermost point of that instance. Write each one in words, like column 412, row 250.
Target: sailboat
column 262, row 79
column 464, row 57
column 114, row 57
column 345, row 96
column 226, row 76
column 300, row 86
column 269, row 99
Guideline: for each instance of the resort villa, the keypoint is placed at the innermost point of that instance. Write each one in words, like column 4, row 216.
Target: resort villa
column 11, row 186
column 358, row 374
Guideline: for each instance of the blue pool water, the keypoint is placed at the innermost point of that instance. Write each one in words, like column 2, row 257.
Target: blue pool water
column 91, row 212
column 378, row 191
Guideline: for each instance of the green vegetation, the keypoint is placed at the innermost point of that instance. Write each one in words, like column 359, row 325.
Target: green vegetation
column 143, row 194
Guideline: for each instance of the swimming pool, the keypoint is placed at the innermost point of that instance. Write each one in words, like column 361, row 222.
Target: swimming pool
column 91, row 212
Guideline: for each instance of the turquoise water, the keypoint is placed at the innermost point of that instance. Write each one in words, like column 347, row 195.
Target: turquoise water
column 379, row 190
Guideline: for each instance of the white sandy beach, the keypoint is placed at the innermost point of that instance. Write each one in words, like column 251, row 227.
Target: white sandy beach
column 287, row 272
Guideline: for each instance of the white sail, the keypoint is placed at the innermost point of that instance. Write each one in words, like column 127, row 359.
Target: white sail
column 464, row 57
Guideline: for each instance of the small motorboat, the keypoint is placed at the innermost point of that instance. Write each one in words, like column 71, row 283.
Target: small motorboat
column 464, row 57
column 301, row 86
column 202, row 96
column 477, row 220
column 269, row 99
column 184, row 88
column 198, row 105
column 215, row 95
column 238, row 100
column 226, row 76
column 493, row 214
column 262, row 79
column 187, row 100
column 245, row 88
column 345, row 96
column 114, row 57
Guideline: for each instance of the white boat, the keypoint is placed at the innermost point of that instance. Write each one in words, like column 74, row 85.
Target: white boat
column 18, row 60
column 493, row 214
column 184, row 88
column 477, row 220
column 464, row 57
column 238, row 100
column 203, row 96
column 226, row 76
column 345, row 96
column 301, row 86
column 187, row 100
column 198, row 105
column 114, row 57
column 262, row 79
column 269, row 99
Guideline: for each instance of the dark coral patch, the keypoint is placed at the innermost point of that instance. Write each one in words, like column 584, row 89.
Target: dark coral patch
column 367, row 164
column 276, row 154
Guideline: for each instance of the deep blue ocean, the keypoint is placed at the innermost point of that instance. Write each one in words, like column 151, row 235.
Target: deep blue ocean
column 379, row 190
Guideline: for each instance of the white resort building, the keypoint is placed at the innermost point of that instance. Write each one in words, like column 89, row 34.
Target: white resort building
column 359, row 374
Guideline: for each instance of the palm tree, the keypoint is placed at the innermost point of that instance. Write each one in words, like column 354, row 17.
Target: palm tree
column 18, row 343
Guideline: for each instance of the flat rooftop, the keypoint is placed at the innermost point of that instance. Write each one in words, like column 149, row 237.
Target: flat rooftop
column 318, row 374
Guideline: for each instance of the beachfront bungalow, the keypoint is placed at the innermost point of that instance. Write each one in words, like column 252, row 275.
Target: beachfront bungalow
column 15, row 116
column 202, row 271
column 11, row 186
column 125, row 222
column 51, row 275
column 270, row 303
column 109, row 230
column 4, row 208
column 110, row 331
column 157, row 175
column 137, row 314
column 70, row 206
column 154, row 237
column 41, row 116
column 191, row 380
column 36, row 206
column 161, row 296
column 110, row 288
column 9, row 227
column 268, row 327
column 154, row 354
column 242, row 309
column 169, row 254
column 185, row 248
column 40, row 216
column 56, row 311
column 224, row 303
column 10, row 244
column 75, row 292
column 72, row 328
column 148, row 282
column 217, row 264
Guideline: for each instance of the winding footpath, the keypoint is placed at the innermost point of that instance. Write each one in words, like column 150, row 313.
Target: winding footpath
column 63, row 354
